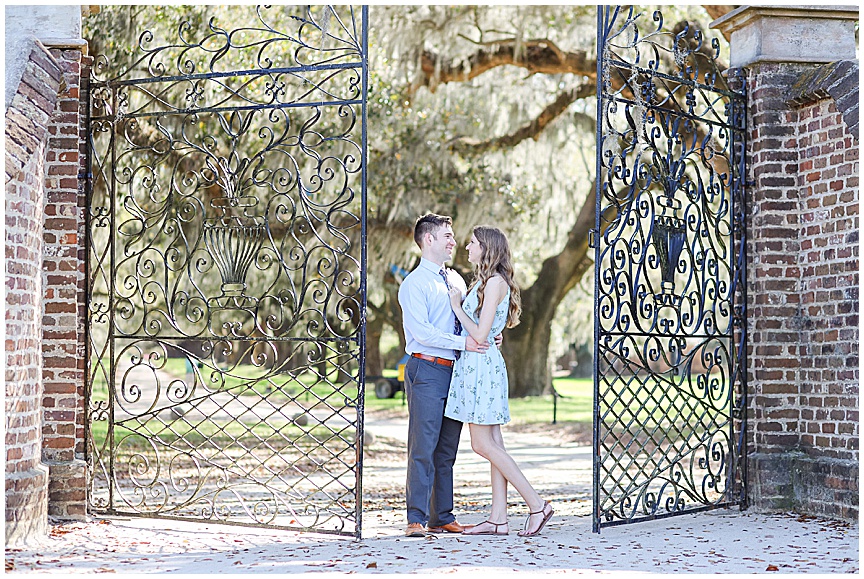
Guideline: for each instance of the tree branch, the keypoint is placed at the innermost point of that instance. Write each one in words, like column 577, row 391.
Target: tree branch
column 715, row 11
column 469, row 146
column 537, row 56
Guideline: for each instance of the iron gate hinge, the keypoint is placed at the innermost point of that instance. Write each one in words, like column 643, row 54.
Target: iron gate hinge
column 592, row 238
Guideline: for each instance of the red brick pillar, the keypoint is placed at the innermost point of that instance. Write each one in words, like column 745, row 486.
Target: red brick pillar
column 773, row 285
column 825, row 102
column 802, row 244
column 64, row 315
column 27, row 119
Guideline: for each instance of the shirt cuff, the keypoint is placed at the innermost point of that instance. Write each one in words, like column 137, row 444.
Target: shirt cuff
column 463, row 340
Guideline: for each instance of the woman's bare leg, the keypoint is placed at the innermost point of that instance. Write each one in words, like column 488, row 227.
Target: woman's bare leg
column 498, row 512
column 485, row 443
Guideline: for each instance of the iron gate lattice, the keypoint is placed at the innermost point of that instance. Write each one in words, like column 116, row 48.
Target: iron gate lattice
column 670, row 391
column 227, row 270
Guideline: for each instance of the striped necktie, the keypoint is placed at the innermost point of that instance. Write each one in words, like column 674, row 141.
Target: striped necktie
column 457, row 327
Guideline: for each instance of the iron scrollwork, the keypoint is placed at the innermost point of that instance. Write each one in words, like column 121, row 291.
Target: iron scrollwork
column 226, row 271
column 669, row 390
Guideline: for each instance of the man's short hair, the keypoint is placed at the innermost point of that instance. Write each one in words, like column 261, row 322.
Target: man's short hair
column 428, row 224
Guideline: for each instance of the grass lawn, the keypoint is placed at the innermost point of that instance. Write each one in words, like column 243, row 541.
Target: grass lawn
column 574, row 403
column 210, row 433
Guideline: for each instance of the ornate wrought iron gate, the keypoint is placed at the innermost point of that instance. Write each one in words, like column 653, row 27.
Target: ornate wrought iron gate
column 670, row 392
column 227, row 270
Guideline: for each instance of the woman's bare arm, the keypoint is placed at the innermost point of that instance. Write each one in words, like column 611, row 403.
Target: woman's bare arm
column 496, row 289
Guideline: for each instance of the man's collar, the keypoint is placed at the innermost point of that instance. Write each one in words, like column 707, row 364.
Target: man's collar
column 430, row 265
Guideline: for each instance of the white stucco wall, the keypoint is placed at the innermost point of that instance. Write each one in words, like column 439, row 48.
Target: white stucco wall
column 50, row 24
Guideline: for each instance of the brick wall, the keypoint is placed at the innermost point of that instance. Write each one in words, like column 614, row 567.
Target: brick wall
column 803, row 288
column 27, row 119
column 64, row 298
column 828, row 180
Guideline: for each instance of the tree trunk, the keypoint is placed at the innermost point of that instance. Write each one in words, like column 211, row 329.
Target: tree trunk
column 374, row 362
column 389, row 313
column 526, row 347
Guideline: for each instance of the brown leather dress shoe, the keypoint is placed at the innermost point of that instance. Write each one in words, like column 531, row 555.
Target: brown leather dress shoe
column 453, row 527
column 415, row 530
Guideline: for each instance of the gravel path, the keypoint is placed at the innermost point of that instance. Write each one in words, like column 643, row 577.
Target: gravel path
column 557, row 463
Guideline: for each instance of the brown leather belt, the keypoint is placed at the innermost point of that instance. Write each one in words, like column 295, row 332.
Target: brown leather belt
column 434, row 360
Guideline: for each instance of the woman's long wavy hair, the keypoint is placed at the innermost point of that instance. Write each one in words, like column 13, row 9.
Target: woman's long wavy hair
column 496, row 259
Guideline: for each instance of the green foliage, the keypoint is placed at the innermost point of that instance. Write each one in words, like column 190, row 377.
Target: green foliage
column 529, row 190
column 532, row 190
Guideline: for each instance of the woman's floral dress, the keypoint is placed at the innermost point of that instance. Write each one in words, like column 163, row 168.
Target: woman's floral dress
column 478, row 388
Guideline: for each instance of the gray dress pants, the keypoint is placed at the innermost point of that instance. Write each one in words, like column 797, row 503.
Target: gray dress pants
column 432, row 444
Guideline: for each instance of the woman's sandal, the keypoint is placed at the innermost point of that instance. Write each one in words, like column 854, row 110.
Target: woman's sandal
column 493, row 532
column 525, row 532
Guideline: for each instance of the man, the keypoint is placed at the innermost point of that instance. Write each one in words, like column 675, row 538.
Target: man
column 432, row 340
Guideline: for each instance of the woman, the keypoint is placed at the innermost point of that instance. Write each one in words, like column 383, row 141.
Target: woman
column 478, row 388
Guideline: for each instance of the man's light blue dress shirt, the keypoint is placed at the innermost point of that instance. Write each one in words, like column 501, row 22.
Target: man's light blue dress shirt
column 427, row 317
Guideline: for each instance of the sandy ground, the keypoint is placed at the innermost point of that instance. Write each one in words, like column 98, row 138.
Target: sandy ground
column 558, row 464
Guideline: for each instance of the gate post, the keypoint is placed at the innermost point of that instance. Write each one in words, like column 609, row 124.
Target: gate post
column 65, row 298
column 802, row 246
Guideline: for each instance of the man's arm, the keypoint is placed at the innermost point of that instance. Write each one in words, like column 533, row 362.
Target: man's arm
column 416, row 321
